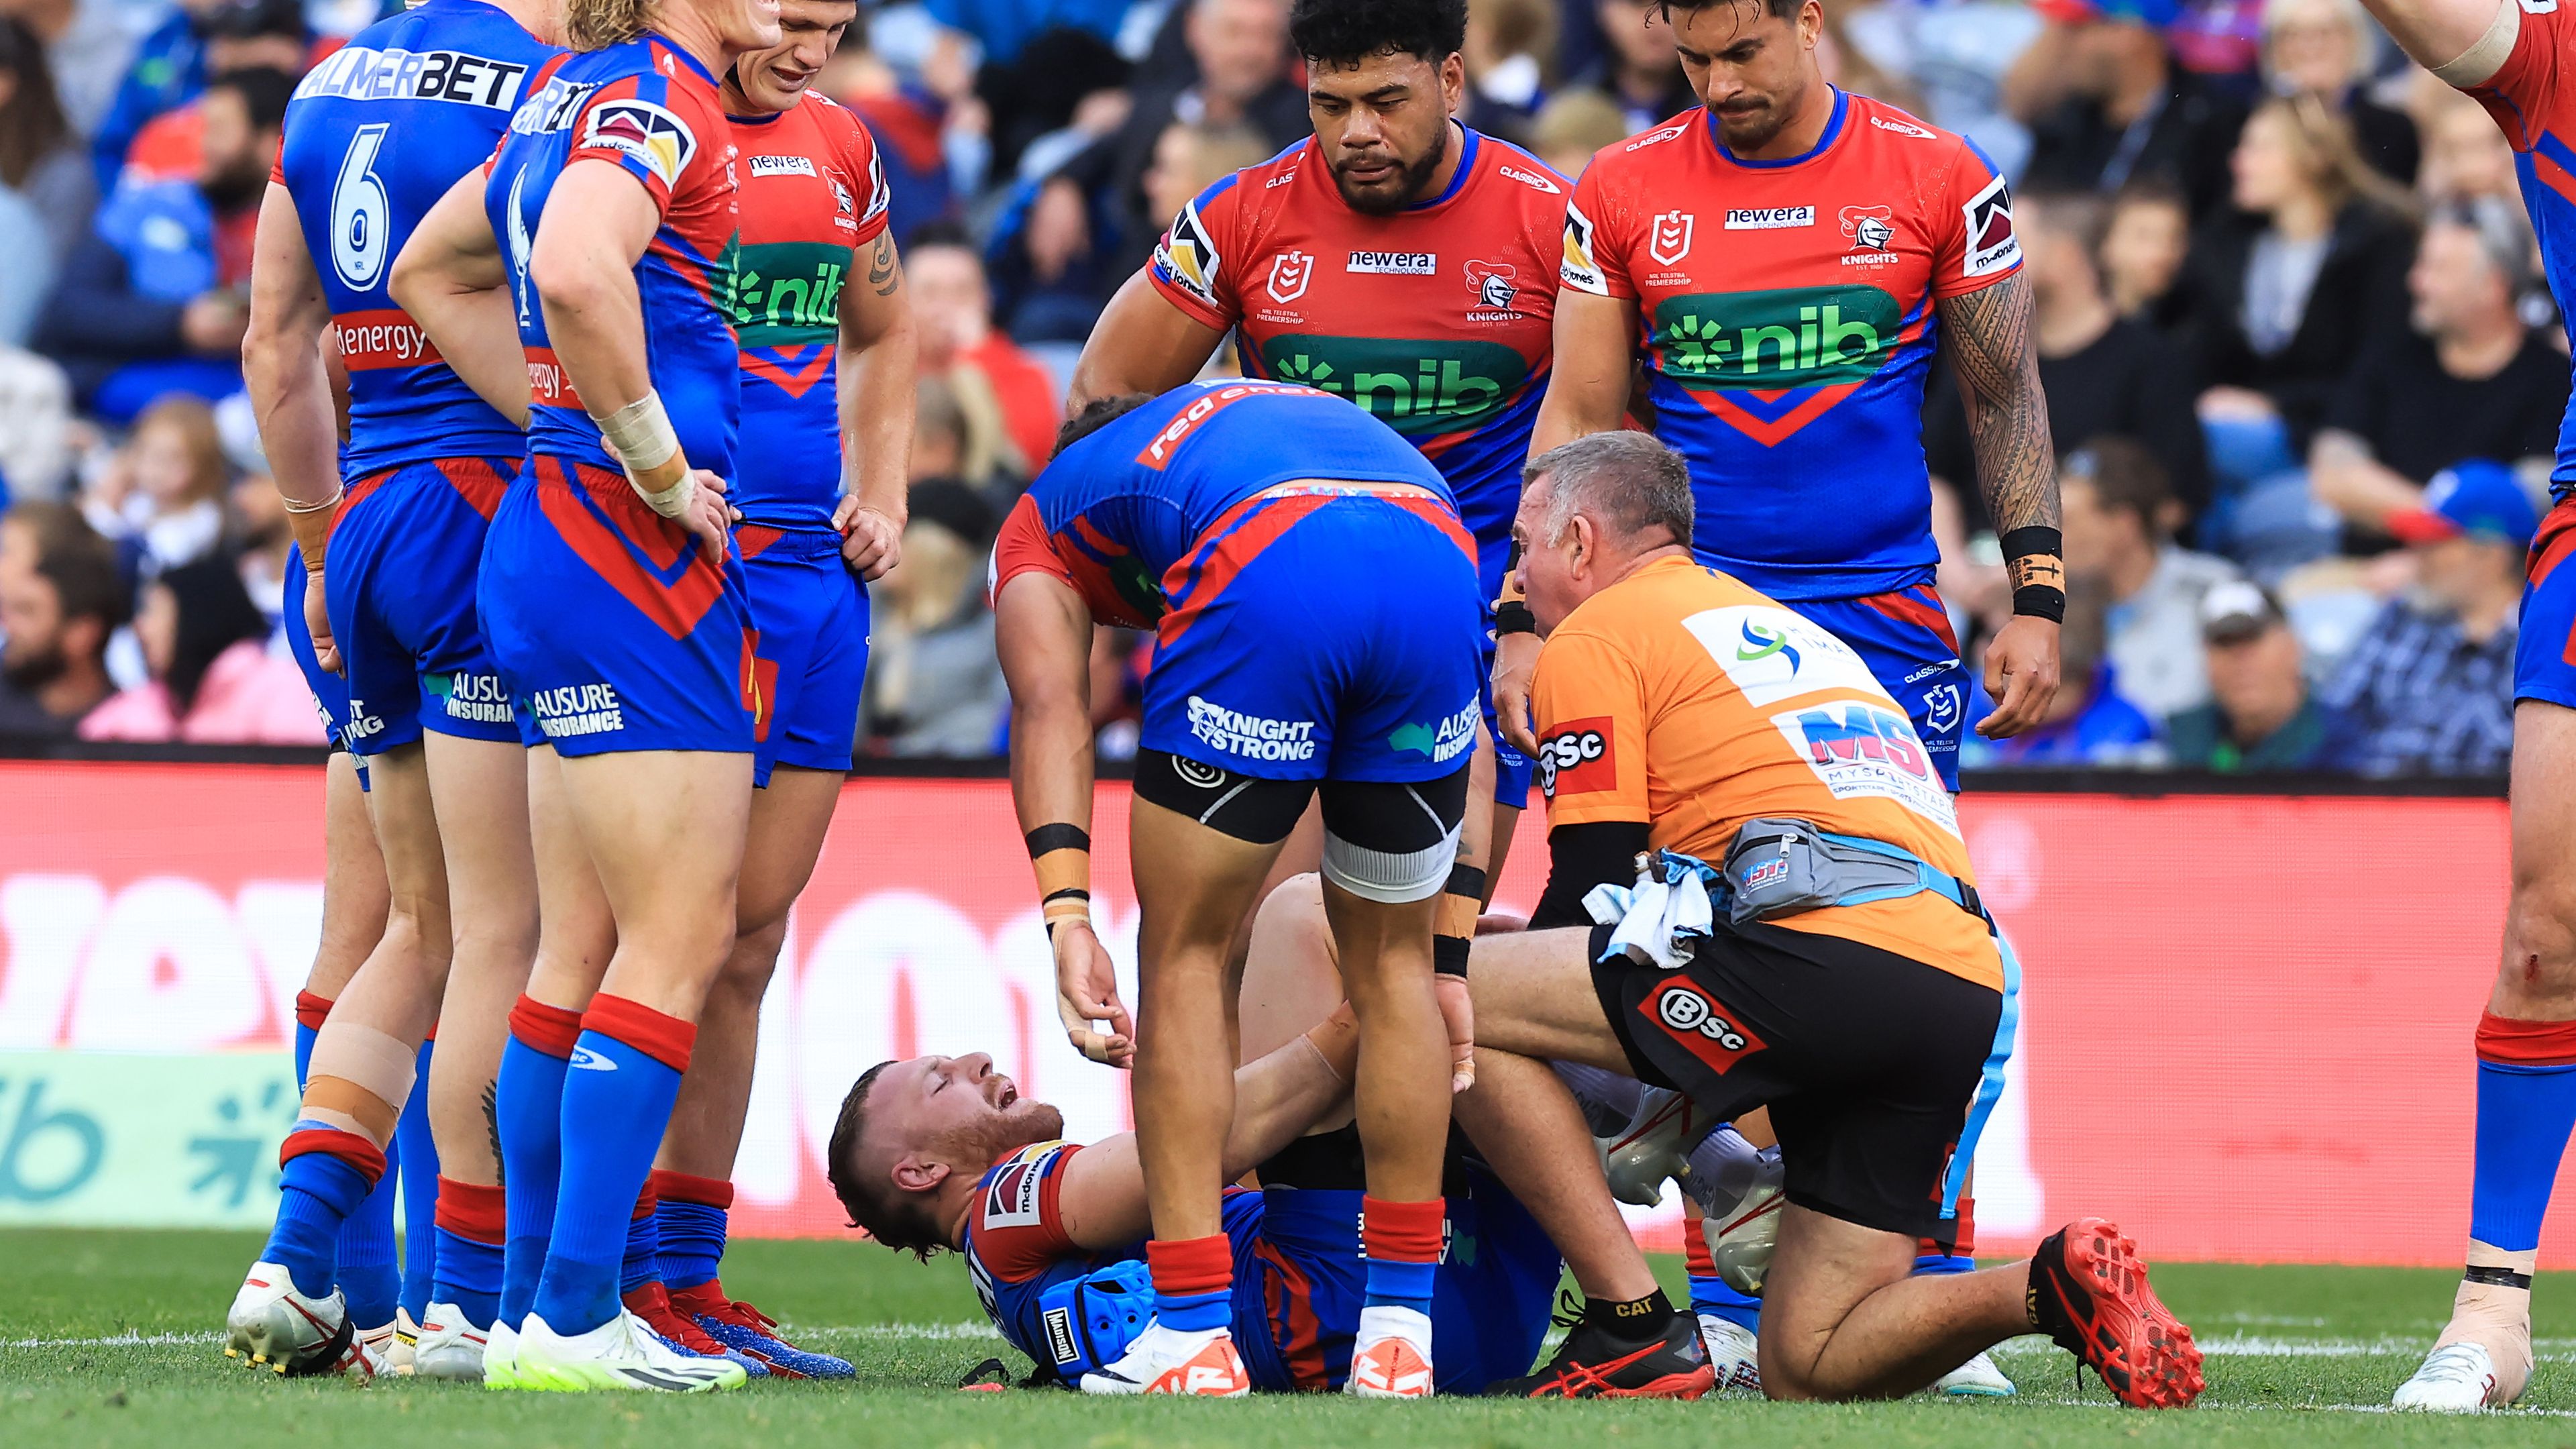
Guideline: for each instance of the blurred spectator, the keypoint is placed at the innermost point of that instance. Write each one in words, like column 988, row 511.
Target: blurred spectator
column 2221, row 41
column 957, row 437
column 2465, row 153
column 160, row 498
column 2145, row 241
column 1953, row 55
column 953, row 305
column 1188, row 159
column 60, row 599
column 2468, row 380
column 153, row 300
column 1572, row 126
column 2308, row 274
column 934, row 684
column 2261, row 718
column 46, row 194
column 2103, row 373
column 259, row 534
column 213, row 680
column 909, row 121
column 2106, row 105
column 2119, row 530
column 1638, row 69
column 2325, row 48
column 36, row 426
column 2429, row 688
column 1510, row 44
column 1002, row 27
column 200, row 38
column 2090, row 723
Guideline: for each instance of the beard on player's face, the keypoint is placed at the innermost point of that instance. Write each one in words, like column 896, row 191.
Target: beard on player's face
column 977, row 1142
column 1384, row 192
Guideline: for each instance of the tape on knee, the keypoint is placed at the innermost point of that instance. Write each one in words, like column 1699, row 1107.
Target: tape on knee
column 360, row 1073
column 1393, row 843
column 1389, row 877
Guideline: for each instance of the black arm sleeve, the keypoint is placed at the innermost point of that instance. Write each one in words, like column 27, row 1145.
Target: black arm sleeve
column 1601, row 852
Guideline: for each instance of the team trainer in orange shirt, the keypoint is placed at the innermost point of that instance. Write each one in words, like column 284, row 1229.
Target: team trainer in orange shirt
column 1849, row 980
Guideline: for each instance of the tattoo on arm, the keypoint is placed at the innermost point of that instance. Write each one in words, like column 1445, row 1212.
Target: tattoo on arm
column 492, row 1124
column 882, row 272
column 1996, row 359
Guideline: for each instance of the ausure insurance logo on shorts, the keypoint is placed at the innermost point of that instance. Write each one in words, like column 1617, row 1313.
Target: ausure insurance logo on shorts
column 1859, row 748
column 578, row 709
column 1250, row 735
column 1706, row 1029
column 478, row 697
column 1441, row 741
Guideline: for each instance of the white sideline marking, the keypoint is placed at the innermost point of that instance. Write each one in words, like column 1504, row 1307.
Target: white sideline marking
column 121, row 1340
column 939, row 1332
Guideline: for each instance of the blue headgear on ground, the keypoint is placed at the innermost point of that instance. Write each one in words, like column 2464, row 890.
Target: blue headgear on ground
column 1090, row 1320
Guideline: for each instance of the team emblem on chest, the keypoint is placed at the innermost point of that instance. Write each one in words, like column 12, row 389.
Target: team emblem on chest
column 1289, row 274
column 1670, row 239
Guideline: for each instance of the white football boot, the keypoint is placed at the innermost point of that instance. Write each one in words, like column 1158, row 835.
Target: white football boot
column 1391, row 1356
column 1654, row 1147
column 1202, row 1362
column 449, row 1347
column 398, row 1354
column 1731, row 1356
column 1978, row 1378
column 2457, row 1378
column 621, row 1354
column 1740, row 1191
column 272, row 1326
column 501, row 1356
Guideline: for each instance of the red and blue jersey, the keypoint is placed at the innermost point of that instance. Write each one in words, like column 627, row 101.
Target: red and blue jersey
column 813, row 195
column 2533, row 97
column 650, row 109
column 1120, row 516
column 375, row 135
column 1786, row 313
column 1436, row 319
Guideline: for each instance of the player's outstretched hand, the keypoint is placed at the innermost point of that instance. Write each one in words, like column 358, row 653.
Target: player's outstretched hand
column 710, row 518
column 317, row 622
column 2021, row 676
column 1515, row 664
column 1086, row 990
column 1458, row 1014
column 871, row 542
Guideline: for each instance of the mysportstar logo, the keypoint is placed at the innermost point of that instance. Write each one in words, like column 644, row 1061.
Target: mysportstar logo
column 1416, row 386
column 1789, row 337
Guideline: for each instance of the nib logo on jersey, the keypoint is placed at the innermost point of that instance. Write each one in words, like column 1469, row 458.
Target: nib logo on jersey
column 1770, row 362
column 787, row 294
column 1417, row 387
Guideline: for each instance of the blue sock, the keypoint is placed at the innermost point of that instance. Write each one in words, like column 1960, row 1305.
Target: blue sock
column 529, row 1102
column 316, row 1193
column 1400, row 1285
column 469, row 1277
column 2524, row 1116
column 1933, row 1263
column 1190, row 1312
column 366, row 1273
column 304, row 1036
column 419, row 1192
column 1712, row 1296
column 642, row 1264
column 693, row 1242
column 623, row 1105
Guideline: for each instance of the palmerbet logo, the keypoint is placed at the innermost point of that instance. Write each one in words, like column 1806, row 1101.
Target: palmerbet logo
column 787, row 292
column 1789, row 337
column 1412, row 385
column 1762, row 641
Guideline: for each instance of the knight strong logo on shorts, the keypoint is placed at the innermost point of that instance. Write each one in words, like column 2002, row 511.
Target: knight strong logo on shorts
column 1707, row 1030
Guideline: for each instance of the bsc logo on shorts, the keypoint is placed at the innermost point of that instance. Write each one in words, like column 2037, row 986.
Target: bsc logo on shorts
column 1703, row 1030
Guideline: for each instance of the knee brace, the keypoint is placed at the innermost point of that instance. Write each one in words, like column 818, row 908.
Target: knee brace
column 1393, row 843
column 1250, row 809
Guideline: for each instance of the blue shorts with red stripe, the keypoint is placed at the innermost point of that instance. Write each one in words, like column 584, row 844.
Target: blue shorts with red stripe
column 400, row 587
column 330, row 691
column 1905, row 638
column 1512, row 769
column 2544, row 652
column 613, row 629
column 1321, row 632
column 810, row 652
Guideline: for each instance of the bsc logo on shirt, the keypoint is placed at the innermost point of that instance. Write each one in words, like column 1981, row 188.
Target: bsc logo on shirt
column 1578, row 758
column 644, row 131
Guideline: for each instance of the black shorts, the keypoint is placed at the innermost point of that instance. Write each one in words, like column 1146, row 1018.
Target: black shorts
column 1867, row 1059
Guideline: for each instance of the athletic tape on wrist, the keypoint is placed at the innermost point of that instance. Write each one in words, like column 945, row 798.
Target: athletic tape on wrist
column 2034, row 557
column 1061, row 855
column 641, row 436
column 2479, row 63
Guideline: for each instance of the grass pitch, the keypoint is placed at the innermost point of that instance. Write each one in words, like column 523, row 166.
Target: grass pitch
column 109, row 1338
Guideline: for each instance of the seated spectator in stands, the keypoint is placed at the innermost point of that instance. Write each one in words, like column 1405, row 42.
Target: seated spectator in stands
column 37, row 429
column 2145, row 242
column 61, row 598
column 2091, row 723
column 213, row 680
column 1572, row 126
column 2119, row 516
column 2104, row 374
column 152, row 302
column 201, row 38
column 908, row 119
column 953, row 305
column 160, row 500
column 46, row 194
column 958, row 437
column 2467, row 380
column 261, row 542
column 2261, row 717
column 2429, row 688
column 1188, row 160
column 1950, row 55
column 2309, row 274
column 1638, row 69
column 1510, row 44
column 934, row 684
column 2325, row 48
column 2465, row 153
column 2106, row 105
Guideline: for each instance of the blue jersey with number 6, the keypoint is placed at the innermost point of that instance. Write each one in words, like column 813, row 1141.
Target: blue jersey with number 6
column 376, row 134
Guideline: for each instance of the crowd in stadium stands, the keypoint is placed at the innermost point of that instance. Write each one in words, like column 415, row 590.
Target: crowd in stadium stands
column 2303, row 379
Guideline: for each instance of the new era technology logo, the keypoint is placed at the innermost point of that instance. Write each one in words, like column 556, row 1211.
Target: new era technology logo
column 1768, row 218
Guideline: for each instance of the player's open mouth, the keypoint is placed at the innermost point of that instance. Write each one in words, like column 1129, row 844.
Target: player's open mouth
column 1005, row 1094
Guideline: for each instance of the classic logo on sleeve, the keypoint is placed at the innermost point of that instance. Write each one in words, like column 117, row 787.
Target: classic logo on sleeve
column 1577, row 269
column 1579, row 757
column 1992, row 246
column 1531, row 179
column 1186, row 258
column 645, row 131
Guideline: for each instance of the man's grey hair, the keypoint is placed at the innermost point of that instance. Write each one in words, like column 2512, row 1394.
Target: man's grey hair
column 1629, row 482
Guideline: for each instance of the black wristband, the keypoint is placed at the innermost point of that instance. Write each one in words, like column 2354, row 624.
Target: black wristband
column 1449, row 956
column 1467, row 881
column 1514, row 617
column 1058, row 836
column 2041, row 601
column 2023, row 542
